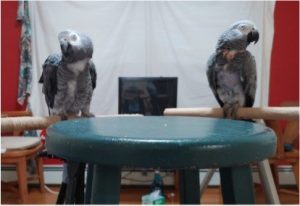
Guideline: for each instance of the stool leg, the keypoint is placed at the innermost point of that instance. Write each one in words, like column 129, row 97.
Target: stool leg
column 267, row 181
column 237, row 185
column 72, row 173
column 40, row 172
column 189, row 186
column 80, row 184
column 71, row 191
column 61, row 198
column 106, row 185
column 62, row 194
column 22, row 180
column 89, row 182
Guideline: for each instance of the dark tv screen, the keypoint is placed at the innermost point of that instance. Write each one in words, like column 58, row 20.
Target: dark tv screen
column 147, row 95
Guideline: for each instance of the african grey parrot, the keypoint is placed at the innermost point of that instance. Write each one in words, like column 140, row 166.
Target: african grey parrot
column 70, row 77
column 68, row 81
column 231, row 69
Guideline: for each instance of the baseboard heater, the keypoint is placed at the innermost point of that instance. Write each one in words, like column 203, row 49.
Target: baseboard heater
column 53, row 175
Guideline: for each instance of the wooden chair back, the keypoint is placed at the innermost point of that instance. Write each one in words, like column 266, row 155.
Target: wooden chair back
column 19, row 158
column 287, row 132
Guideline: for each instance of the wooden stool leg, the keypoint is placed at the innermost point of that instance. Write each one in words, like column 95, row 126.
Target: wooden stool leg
column 176, row 180
column 40, row 173
column 189, row 186
column 237, row 185
column 22, row 180
column 296, row 173
column 275, row 175
column 106, row 185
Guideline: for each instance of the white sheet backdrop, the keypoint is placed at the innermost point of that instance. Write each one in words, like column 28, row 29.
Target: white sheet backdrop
column 137, row 38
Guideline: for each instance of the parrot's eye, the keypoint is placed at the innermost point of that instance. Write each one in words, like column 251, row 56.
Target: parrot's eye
column 73, row 37
column 242, row 27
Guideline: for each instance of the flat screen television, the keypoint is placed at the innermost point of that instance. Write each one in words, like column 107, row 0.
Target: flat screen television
column 147, row 95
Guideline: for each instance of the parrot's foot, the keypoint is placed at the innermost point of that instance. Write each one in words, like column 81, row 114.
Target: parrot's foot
column 63, row 117
column 230, row 111
column 87, row 114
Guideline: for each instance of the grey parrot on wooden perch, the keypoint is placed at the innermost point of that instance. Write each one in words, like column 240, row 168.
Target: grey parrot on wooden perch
column 69, row 78
column 231, row 69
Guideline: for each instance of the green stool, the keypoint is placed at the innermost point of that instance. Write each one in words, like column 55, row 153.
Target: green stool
column 187, row 143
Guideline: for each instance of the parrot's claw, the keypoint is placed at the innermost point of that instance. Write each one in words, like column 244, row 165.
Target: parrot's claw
column 230, row 111
column 226, row 112
column 63, row 117
column 88, row 114
column 235, row 108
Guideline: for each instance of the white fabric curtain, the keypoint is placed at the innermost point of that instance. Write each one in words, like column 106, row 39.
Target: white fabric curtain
column 149, row 38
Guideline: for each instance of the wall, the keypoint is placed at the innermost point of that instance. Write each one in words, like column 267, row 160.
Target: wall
column 284, row 82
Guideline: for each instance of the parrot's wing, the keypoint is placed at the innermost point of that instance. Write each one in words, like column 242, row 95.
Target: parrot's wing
column 49, row 79
column 248, row 74
column 211, row 76
column 93, row 73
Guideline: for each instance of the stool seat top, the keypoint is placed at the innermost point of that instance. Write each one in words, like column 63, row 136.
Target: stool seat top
column 18, row 143
column 161, row 141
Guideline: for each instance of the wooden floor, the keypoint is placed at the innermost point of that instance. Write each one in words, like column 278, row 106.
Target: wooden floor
column 130, row 195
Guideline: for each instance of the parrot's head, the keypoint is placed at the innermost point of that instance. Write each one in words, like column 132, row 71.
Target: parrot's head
column 75, row 46
column 239, row 36
column 248, row 29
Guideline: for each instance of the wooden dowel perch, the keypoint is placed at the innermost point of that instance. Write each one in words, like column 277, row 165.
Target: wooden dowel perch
column 266, row 113
column 10, row 124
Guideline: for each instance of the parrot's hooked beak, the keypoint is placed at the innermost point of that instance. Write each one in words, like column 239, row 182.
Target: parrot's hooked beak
column 253, row 36
column 65, row 47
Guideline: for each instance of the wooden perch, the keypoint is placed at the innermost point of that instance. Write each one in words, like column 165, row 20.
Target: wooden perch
column 266, row 113
column 10, row 124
